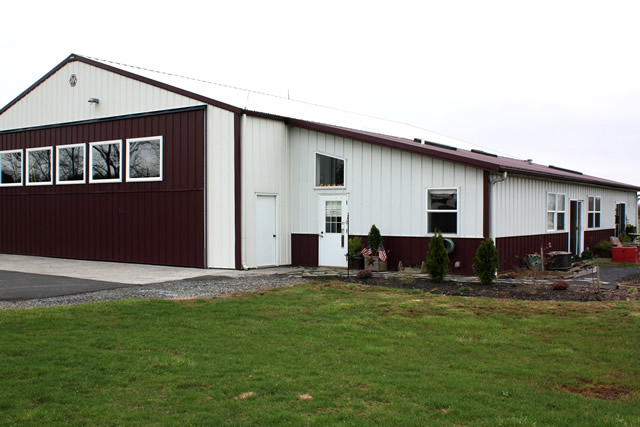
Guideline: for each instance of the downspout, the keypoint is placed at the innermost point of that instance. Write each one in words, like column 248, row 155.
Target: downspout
column 495, row 180
column 492, row 181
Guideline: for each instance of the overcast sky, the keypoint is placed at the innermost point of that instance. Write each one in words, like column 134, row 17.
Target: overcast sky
column 555, row 81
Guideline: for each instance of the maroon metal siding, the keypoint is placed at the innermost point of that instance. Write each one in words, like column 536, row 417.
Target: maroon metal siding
column 410, row 250
column 413, row 250
column 512, row 250
column 592, row 238
column 304, row 250
column 142, row 222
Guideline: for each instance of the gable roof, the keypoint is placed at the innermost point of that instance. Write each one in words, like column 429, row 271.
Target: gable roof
column 333, row 121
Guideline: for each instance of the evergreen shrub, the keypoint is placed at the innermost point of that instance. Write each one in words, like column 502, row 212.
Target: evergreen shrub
column 437, row 262
column 485, row 263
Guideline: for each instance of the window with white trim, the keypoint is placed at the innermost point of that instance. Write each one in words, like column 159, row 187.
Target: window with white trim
column 105, row 159
column 70, row 164
column 442, row 210
column 10, row 168
column 593, row 212
column 556, row 208
column 329, row 171
column 144, row 159
column 39, row 166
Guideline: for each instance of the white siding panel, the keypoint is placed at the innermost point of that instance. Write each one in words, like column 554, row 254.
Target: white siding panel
column 386, row 187
column 220, row 189
column 265, row 170
column 55, row 101
column 519, row 204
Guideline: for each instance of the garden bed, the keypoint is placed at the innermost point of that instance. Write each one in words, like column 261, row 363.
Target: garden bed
column 521, row 290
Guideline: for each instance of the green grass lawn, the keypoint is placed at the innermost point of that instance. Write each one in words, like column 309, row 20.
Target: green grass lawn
column 365, row 355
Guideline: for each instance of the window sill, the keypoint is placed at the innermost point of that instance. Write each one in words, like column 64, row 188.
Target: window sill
column 328, row 188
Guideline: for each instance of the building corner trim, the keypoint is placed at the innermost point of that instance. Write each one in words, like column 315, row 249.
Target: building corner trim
column 237, row 174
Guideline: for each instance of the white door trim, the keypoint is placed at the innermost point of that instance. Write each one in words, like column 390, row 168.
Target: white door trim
column 333, row 246
column 266, row 246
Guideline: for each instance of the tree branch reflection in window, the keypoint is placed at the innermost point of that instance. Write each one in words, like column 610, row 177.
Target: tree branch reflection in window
column 11, row 167
column 71, row 164
column 144, row 160
column 105, row 161
column 39, row 166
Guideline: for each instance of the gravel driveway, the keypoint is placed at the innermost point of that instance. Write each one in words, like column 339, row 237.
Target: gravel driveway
column 199, row 287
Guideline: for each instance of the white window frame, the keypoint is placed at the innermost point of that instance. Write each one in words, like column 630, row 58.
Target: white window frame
column 161, row 169
column 315, row 172
column 14, row 184
column 90, row 165
column 26, row 163
column 555, row 213
column 84, row 164
column 456, row 211
column 594, row 212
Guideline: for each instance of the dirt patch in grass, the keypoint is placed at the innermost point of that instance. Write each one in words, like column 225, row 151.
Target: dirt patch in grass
column 515, row 290
column 597, row 390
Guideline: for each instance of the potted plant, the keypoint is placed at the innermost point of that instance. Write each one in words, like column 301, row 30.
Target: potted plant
column 356, row 259
column 375, row 258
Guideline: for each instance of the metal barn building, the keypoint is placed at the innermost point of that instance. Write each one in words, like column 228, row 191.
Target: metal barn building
column 104, row 161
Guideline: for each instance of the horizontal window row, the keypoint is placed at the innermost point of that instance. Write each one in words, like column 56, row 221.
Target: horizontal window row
column 144, row 163
column 556, row 212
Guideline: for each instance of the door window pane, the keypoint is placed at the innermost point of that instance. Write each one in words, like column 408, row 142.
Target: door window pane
column 333, row 216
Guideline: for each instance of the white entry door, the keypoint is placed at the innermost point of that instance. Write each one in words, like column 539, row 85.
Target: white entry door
column 266, row 230
column 333, row 231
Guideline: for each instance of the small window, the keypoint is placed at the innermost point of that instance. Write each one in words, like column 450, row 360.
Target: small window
column 70, row 160
column 329, row 171
column 104, row 158
column 593, row 212
column 442, row 211
column 144, row 159
column 11, row 168
column 333, row 216
column 39, row 166
column 556, row 208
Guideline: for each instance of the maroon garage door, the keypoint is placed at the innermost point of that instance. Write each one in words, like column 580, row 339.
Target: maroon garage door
column 145, row 204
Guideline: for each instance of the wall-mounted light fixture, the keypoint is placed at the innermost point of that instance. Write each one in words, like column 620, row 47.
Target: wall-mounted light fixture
column 94, row 101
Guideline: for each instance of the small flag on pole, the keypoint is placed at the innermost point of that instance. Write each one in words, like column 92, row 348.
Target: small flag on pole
column 367, row 251
column 381, row 253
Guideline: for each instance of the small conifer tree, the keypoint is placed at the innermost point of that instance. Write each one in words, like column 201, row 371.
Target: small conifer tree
column 437, row 258
column 374, row 238
column 485, row 263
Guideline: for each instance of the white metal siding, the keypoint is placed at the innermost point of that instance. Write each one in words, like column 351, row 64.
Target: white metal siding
column 519, row 204
column 55, row 101
column 386, row 187
column 265, row 170
column 220, row 210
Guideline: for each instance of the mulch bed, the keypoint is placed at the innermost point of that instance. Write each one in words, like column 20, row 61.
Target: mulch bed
column 514, row 290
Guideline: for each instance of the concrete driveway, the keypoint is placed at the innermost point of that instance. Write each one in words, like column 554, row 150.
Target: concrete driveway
column 29, row 277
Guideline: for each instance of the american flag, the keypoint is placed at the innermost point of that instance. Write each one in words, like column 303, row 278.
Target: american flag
column 381, row 253
column 367, row 251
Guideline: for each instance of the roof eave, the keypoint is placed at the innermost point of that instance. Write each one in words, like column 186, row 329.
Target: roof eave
column 578, row 178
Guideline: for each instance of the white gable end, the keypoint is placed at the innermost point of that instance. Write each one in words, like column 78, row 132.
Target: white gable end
column 56, row 101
